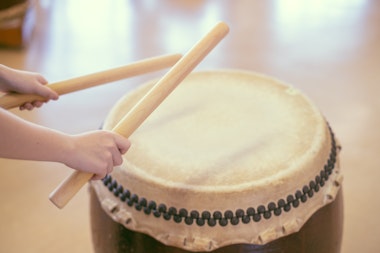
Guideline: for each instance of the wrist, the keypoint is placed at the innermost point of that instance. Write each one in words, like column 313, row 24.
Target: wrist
column 63, row 147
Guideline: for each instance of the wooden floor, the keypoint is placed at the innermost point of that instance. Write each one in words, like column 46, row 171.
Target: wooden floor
column 328, row 49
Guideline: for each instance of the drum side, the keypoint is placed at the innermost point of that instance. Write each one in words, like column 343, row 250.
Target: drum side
column 321, row 233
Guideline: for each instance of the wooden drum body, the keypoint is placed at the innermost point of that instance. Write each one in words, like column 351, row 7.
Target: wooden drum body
column 231, row 161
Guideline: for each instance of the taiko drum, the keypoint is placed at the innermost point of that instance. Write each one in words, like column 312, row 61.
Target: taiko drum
column 231, row 161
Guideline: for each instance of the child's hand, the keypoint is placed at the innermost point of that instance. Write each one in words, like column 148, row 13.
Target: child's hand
column 12, row 80
column 32, row 83
column 96, row 152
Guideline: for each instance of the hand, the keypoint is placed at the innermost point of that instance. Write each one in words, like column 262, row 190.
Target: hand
column 12, row 80
column 33, row 83
column 96, row 152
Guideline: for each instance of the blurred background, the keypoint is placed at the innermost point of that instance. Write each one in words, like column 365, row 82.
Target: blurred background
column 330, row 50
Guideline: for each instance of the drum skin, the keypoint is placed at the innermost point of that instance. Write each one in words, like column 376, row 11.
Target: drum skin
column 322, row 233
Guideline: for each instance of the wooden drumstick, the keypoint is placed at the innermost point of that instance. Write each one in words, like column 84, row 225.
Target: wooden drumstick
column 12, row 100
column 135, row 117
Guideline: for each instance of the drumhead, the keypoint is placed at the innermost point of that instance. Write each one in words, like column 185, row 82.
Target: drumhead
column 229, row 157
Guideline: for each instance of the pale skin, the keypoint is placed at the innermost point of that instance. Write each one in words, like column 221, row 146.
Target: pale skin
column 96, row 152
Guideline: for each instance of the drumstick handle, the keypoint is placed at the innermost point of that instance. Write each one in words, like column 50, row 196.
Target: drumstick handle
column 136, row 116
column 12, row 100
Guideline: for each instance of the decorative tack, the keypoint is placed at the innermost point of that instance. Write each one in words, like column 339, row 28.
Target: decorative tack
column 256, row 217
column 194, row 214
column 206, row 215
column 229, row 216
column 239, row 213
column 147, row 210
column 251, row 211
column 277, row 211
column 183, row 212
column 177, row 218
column 234, row 220
column 246, row 219
column 217, row 215
column 267, row 215
column 189, row 220
column 200, row 222
column 223, row 222
column 211, row 222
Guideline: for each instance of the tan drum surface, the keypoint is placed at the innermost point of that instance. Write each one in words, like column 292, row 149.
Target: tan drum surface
column 229, row 158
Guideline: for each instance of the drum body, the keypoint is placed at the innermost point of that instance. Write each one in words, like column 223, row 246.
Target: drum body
column 231, row 161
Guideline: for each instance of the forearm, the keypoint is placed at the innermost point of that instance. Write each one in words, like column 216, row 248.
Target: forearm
column 20, row 139
column 96, row 152
column 4, row 76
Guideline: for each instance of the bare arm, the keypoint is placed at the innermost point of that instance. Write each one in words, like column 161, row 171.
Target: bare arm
column 96, row 152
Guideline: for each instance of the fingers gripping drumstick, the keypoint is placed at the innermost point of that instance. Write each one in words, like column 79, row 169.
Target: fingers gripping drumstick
column 12, row 100
column 135, row 117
